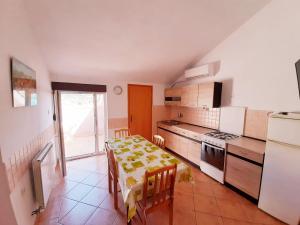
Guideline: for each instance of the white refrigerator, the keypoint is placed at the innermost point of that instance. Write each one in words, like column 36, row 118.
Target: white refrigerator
column 280, row 187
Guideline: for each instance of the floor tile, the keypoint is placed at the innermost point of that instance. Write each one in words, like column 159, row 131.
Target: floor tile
column 184, row 218
column 63, row 188
column 103, row 183
column 66, row 205
column 256, row 215
column 93, row 179
column 184, row 188
column 232, row 209
column 184, row 203
column 221, row 191
column 102, row 217
column 203, row 202
column 208, row 219
column 79, row 192
column 203, row 188
column 78, row 215
column 108, row 202
column 227, row 221
column 77, row 175
column 95, row 197
column 206, row 204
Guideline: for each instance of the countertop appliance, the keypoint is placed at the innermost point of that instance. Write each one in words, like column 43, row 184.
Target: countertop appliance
column 280, row 186
column 214, row 143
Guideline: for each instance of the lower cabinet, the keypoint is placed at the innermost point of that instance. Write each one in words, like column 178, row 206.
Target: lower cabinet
column 194, row 152
column 243, row 175
column 183, row 146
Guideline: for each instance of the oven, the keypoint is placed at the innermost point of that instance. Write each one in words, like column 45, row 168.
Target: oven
column 213, row 155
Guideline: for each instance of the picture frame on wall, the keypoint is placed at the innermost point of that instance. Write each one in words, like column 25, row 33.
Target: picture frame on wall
column 23, row 84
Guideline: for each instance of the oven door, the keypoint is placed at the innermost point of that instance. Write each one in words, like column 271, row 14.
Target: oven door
column 213, row 155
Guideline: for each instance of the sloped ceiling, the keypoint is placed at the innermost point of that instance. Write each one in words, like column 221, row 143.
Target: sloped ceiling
column 133, row 40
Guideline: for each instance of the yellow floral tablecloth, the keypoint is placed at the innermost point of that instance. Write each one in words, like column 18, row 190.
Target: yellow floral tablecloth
column 134, row 155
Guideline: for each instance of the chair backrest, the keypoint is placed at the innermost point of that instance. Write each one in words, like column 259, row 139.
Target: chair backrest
column 160, row 185
column 124, row 132
column 159, row 141
column 112, row 166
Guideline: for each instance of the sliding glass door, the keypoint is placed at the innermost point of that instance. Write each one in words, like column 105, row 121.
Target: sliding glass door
column 83, row 123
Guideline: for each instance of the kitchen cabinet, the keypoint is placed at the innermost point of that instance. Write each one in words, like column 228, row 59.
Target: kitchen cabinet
column 244, row 175
column 174, row 142
column 183, row 146
column 206, row 95
column 209, row 95
column 189, row 96
column 173, row 96
column 244, row 163
column 194, row 152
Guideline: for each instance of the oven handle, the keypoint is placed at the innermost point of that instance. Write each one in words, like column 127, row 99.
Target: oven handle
column 213, row 146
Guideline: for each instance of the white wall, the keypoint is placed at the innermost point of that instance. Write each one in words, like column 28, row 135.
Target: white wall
column 18, row 126
column 257, row 62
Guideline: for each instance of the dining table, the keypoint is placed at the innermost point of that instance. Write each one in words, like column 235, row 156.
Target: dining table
column 134, row 155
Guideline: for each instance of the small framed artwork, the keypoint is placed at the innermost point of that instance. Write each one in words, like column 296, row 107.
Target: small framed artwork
column 23, row 83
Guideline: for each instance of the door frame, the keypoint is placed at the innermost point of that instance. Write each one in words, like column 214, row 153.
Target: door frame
column 61, row 132
column 128, row 106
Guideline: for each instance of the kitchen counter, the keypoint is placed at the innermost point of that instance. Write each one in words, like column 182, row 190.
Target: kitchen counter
column 248, row 148
column 249, row 144
column 187, row 130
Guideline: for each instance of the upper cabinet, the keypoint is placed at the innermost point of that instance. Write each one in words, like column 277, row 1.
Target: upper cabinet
column 189, row 95
column 209, row 95
column 172, row 96
column 196, row 95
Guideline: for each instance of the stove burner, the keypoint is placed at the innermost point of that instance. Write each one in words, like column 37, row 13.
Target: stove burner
column 221, row 135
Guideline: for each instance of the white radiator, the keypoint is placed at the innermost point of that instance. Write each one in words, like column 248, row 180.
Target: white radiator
column 43, row 166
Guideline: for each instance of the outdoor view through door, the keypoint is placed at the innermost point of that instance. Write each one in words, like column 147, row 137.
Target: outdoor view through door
column 83, row 123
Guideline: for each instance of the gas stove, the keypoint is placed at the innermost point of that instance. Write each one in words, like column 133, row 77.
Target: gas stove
column 218, row 138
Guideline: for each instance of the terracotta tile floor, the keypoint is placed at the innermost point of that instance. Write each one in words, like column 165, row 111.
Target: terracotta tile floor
column 82, row 198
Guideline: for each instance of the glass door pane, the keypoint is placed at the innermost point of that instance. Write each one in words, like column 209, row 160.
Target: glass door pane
column 78, row 122
column 101, row 120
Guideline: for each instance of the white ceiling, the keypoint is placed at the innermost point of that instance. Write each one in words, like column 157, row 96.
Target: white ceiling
column 134, row 40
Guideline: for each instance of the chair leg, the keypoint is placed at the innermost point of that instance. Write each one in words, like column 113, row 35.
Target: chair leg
column 171, row 213
column 144, row 218
column 109, row 182
column 115, row 194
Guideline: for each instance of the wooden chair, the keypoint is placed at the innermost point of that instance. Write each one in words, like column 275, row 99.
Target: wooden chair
column 159, row 141
column 158, row 191
column 124, row 132
column 112, row 175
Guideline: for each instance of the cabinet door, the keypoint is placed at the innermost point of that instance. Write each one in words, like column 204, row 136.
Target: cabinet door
column 194, row 152
column 206, row 95
column 175, row 142
column 189, row 95
column 172, row 92
column 169, row 139
column 243, row 175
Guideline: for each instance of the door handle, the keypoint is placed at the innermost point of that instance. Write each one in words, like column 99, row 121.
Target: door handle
column 130, row 118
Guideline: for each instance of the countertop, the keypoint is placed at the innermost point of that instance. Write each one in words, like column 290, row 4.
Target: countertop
column 251, row 144
column 194, row 128
column 188, row 130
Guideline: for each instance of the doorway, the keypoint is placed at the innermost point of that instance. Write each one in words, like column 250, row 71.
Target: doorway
column 83, row 122
column 140, row 110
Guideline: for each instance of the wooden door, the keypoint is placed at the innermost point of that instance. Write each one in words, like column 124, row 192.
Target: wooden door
column 140, row 110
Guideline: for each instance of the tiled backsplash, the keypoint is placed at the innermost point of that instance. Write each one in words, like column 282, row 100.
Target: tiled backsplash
column 20, row 161
column 198, row 116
